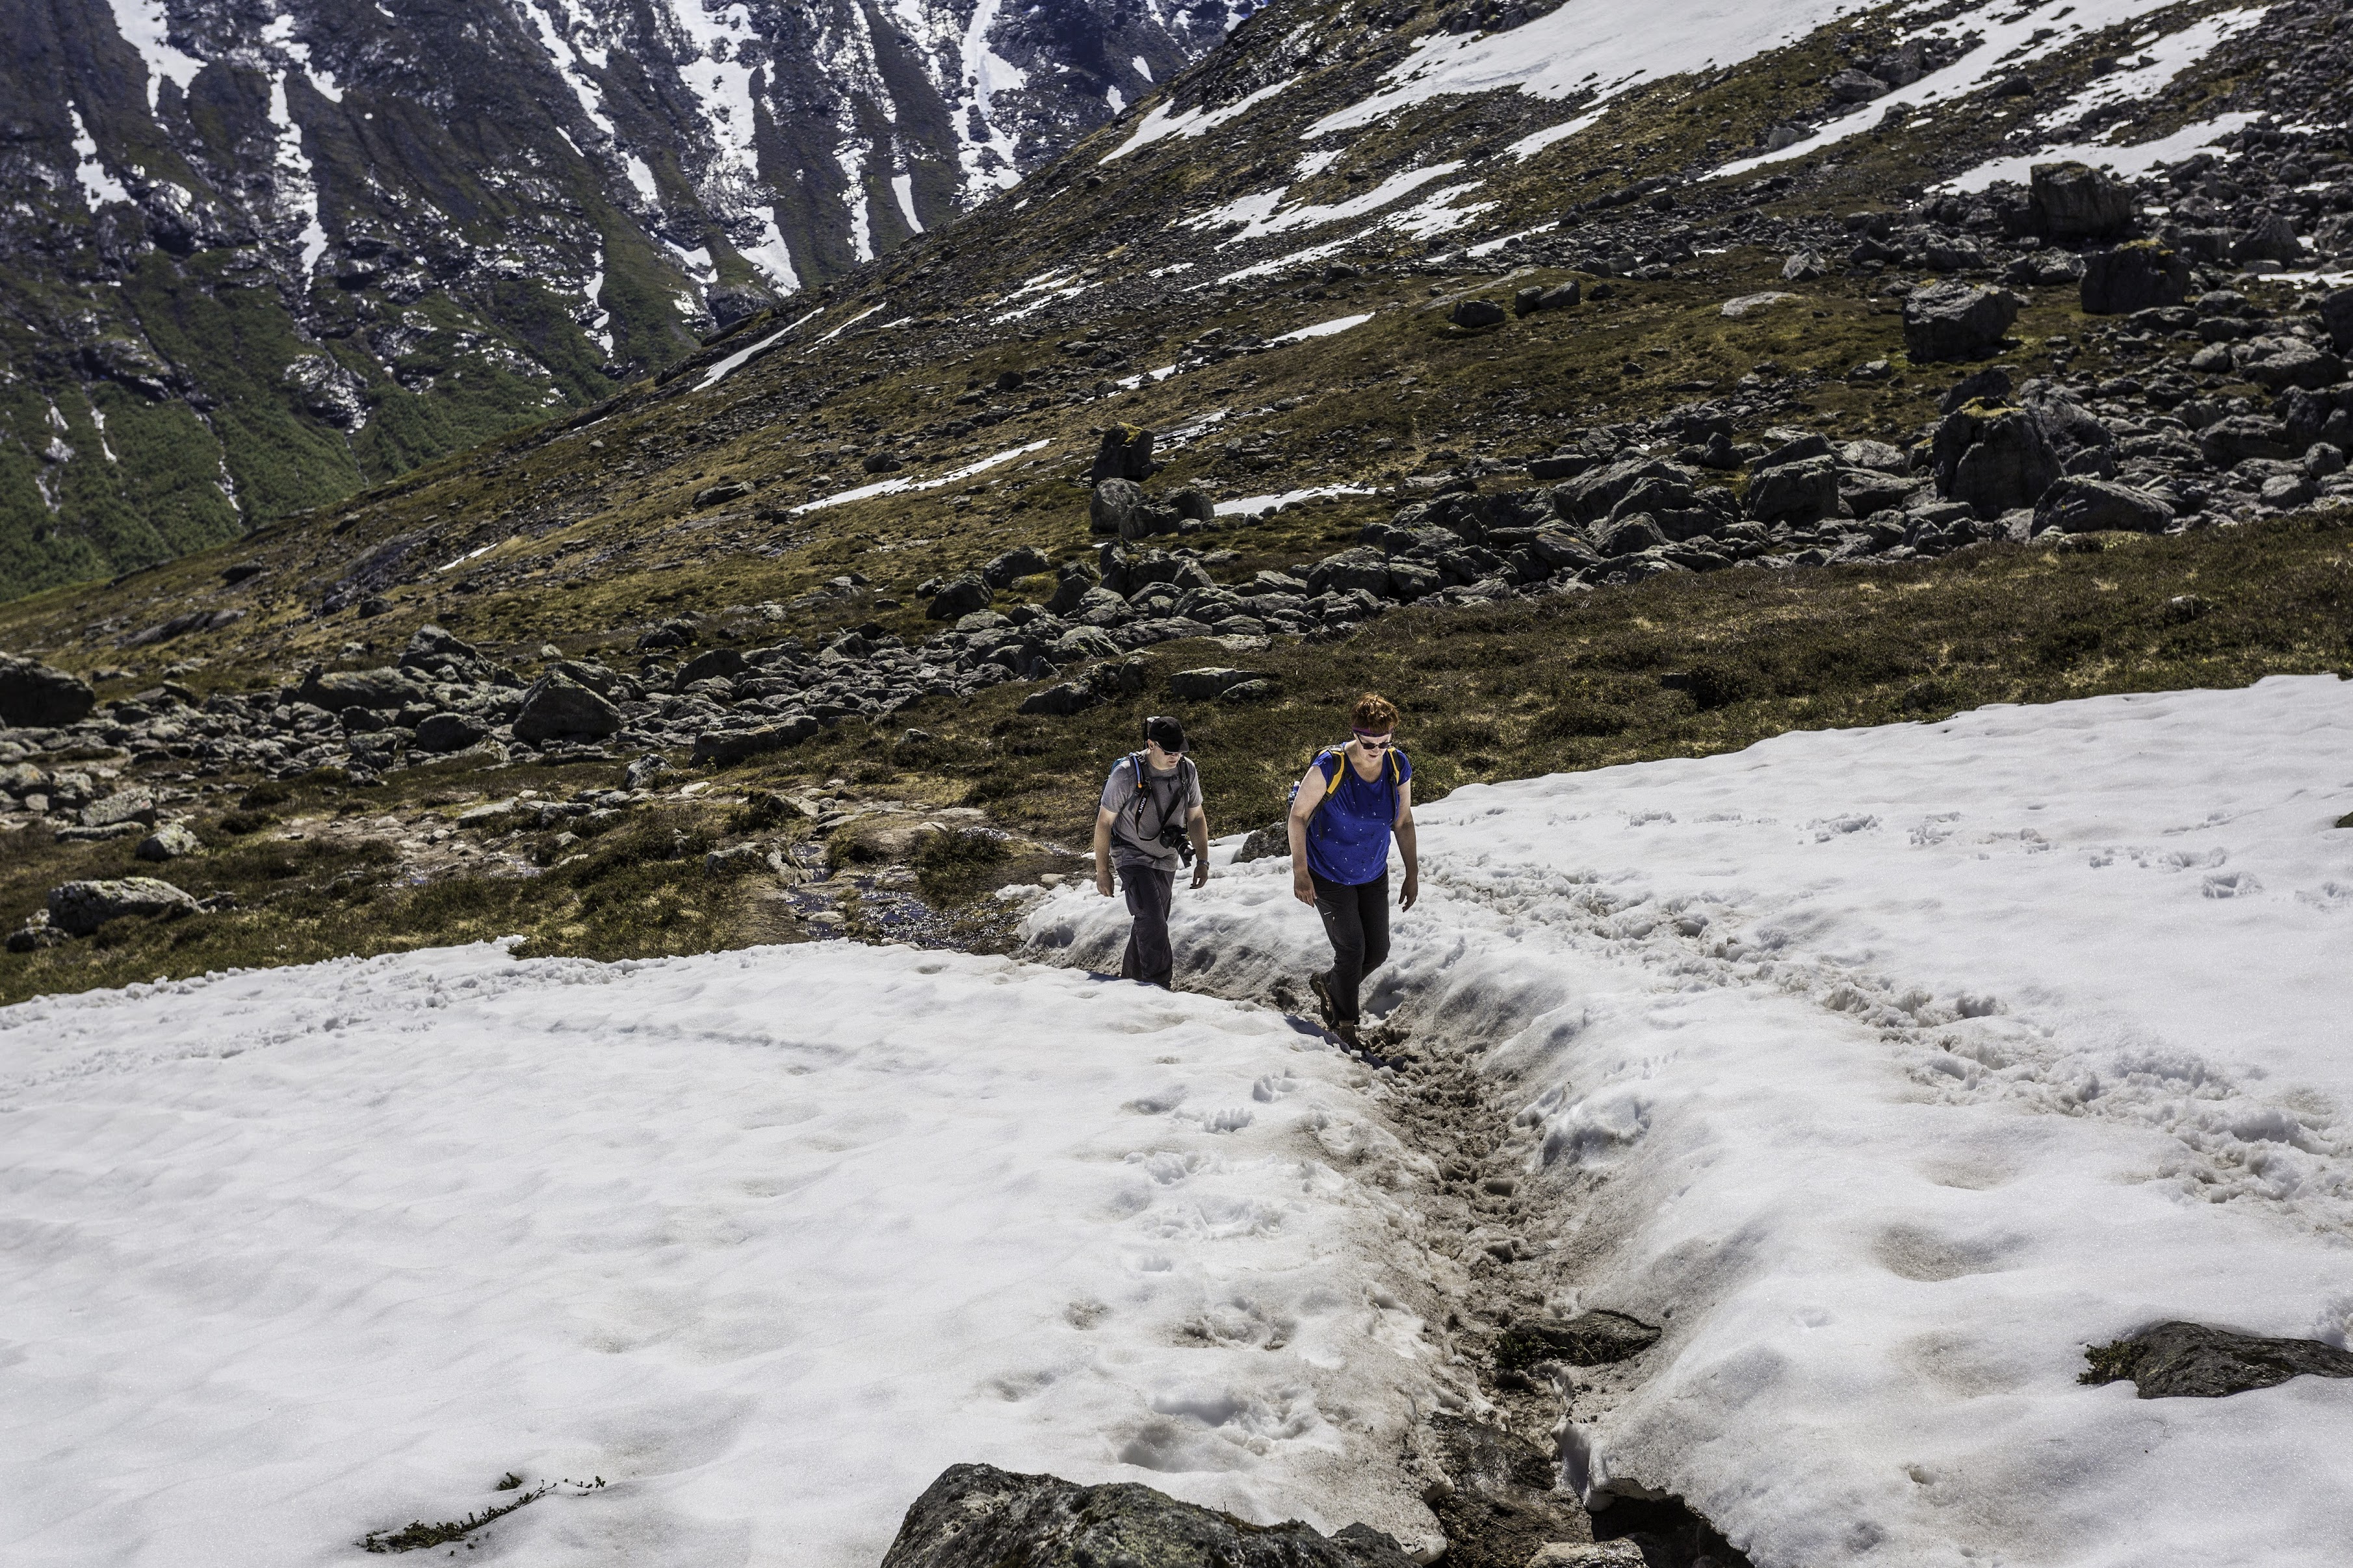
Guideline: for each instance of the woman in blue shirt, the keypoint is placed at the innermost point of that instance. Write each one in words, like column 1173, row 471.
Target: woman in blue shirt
column 1353, row 799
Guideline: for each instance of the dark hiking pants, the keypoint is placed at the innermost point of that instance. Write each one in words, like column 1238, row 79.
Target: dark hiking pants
column 1148, row 957
column 1357, row 918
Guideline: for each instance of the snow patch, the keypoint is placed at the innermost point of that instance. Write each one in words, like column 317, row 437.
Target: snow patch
column 1897, row 1065
column 2125, row 162
column 766, row 1239
column 896, row 487
column 98, row 184
column 904, row 187
column 146, row 26
column 722, row 369
column 1160, row 123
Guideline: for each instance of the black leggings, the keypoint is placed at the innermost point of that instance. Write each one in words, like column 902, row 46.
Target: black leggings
column 1357, row 918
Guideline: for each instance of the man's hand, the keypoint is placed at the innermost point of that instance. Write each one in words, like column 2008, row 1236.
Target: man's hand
column 1200, row 870
column 1412, row 889
column 1103, row 880
column 1303, row 887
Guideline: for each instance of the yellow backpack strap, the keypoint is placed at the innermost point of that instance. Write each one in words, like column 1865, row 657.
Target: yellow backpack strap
column 1340, row 771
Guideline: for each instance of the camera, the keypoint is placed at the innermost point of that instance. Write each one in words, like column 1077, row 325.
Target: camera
column 1174, row 836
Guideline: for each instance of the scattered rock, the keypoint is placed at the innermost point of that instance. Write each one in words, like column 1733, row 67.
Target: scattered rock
column 379, row 691
column 1955, row 320
column 717, row 748
column 1749, row 304
column 1592, row 1554
column 169, row 842
column 1476, row 314
column 1992, row 384
column 79, row 909
column 723, row 491
column 33, row 696
column 1805, row 267
column 35, row 933
column 1204, row 685
column 1801, row 491
column 2192, row 1361
column 554, row 705
column 978, row 1516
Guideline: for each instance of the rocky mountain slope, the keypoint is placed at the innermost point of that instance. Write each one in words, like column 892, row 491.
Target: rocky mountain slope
column 259, row 255
column 1693, row 369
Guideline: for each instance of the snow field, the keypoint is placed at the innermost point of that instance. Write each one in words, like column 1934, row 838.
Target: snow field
column 765, row 1239
column 1888, row 1067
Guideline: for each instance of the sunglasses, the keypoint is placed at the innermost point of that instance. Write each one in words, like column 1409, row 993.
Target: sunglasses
column 1375, row 743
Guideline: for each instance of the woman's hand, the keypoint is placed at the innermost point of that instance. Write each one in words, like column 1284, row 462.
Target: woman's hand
column 1412, row 889
column 1303, row 887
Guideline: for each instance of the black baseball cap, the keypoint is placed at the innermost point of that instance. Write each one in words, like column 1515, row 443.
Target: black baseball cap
column 1165, row 732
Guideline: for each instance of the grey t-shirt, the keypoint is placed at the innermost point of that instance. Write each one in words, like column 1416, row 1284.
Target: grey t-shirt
column 1171, row 797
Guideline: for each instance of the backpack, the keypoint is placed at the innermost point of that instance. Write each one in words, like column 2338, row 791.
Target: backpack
column 1140, row 767
column 1331, row 784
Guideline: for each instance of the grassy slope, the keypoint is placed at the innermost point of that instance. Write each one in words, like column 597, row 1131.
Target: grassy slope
column 593, row 532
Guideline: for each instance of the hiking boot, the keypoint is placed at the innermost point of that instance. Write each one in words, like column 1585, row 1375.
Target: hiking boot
column 1345, row 1030
column 1321, row 985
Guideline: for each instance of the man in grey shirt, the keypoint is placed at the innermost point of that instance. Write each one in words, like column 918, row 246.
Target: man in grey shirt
column 1151, row 809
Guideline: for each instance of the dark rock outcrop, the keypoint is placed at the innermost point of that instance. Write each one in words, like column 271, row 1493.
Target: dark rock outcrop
column 1955, row 320
column 2075, row 504
column 34, row 696
column 79, row 909
column 2137, row 276
column 978, row 1516
column 2075, row 201
column 554, row 706
column 2191, row 1360
column 1994, row 458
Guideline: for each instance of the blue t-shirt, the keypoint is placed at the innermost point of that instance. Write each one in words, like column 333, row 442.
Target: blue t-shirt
column 1349, row 837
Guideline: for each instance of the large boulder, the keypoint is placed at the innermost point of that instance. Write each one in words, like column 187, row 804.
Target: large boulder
column 1120, row 507
column 958, row 598
column 1363, row 568
column 169, row 842
column 1021, row 561
column 978, row 1516
column 2230, row 441
column 1955, row 320
column 1994, row 458
column 1476, row 314
column 33, row 696
column 1800, row 492
column 1596, row 493
column 712, row 664
column 2136, row 276
column 1125, row 454
column 2337, row 315
column 1072, row 581
column 136, row 804
column 2075, row 201
column 79, row 909
column 2075, row 504
column 553, row 706
column 445, row 733
column 378, row 691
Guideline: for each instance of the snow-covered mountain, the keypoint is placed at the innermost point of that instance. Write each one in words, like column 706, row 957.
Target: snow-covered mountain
column 309, row 243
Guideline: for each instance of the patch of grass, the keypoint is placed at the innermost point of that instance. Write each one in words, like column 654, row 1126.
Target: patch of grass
column 957, row 864
column 417, row 1535
column 2111, row 1362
